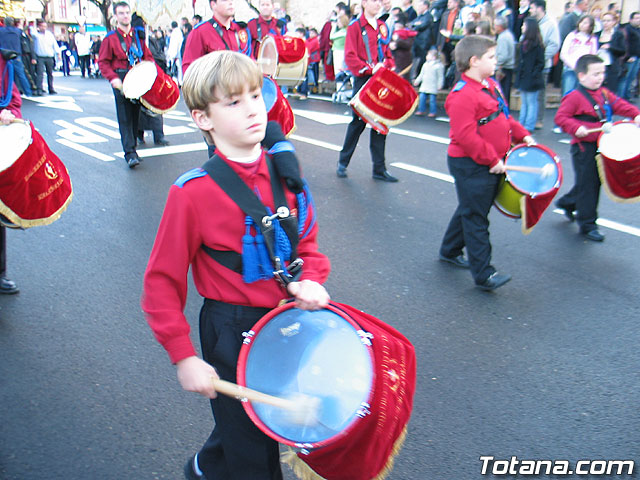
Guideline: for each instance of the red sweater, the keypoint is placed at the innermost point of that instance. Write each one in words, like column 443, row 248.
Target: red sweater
column 355, row 52
column 485, row 144
column 16, row 101
column 112, row 56
column 198, row 211
column 575, row 103
column 205, row 39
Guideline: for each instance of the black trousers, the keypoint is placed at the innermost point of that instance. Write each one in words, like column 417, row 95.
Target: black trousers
column 236, row 449
column 585, row 193
column 3, row 250
column 505, row 84
column 85, row 64
column 377, row 141
column 128, row 113
column 44, row 64
column 469, row 226
column 154, row 123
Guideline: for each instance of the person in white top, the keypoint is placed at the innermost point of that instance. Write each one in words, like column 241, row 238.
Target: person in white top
column 579, row 42
column 46, row 48
column 83, row 44
column 173, row 52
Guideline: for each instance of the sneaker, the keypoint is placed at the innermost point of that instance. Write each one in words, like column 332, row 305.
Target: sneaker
column 557, row 130
column 189, row 472
column 496, row 280
column 133, row 162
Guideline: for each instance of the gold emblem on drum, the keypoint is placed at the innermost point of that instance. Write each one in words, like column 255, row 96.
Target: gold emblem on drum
column 50, row 172
column 383, row 93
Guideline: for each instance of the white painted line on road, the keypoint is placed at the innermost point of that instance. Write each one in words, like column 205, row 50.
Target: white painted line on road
column 421, row 136
column 443, row 119
column 423, row 171
column 89, row 92
column 317, row 143
column 86, row 150
column 565, row 141
column 611, row 224
column 170, row 150
column 67, row 89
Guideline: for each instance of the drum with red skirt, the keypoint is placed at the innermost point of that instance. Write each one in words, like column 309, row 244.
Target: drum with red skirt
column 156, row 90
column 532, row 180
column 385, row 100
column 285, row 59
column 35, row 187
column 278, row 108
column 361, row 370
column 619, row 161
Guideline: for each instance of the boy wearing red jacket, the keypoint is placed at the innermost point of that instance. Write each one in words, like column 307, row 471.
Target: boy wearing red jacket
column 583, row 109
column 204, row 229
column 481, row 133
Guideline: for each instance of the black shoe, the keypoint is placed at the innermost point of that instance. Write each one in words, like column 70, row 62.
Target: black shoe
column 7, row 287
column 162, row 142
column 52, row 92
column 385, row 177
column 341, row 171
column 495, row 280
column 190, row 473
column 133, row 162
column 458, row 261
column 568, row 212
column 593, row 235
column 38, row 94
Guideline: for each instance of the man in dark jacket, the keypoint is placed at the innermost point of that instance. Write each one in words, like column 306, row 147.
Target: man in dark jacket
column 10, row 39
column 424, row 25
column 632, row 33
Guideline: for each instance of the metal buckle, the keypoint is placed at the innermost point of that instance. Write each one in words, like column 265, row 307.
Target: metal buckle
column 281, row 212
column 287, row 275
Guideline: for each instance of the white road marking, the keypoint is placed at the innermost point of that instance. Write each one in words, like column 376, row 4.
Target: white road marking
column 323, row 117
column 111, row 129
column 421, row 136
column 170, row 150
column 423, row 171
column 59, row 101
column 66, row 89
column 76, row 134
column 86, row 150
column 95, row 94
column 317, row 143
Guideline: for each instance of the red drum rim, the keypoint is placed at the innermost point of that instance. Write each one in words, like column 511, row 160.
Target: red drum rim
column 241, row 378
column 549, row 152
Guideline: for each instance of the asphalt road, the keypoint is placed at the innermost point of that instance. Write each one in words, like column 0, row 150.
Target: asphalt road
column 547, row 367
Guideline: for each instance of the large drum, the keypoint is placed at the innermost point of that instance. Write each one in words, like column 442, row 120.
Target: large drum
column 35, row 187
column 361, row 370
column 385, row 100
column 619, row 162
column 156, row 90
column 527, row 194
column 278, row 108
column 285, row 59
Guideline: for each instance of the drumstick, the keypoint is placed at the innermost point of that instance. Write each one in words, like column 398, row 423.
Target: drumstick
column 605, row 128
column 301, row 409
column 544, row 171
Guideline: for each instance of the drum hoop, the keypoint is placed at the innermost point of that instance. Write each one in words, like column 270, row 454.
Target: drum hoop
column 619, row 122
column 268, row 39
column 553, row 156
column 241, row 378
column 138, row 66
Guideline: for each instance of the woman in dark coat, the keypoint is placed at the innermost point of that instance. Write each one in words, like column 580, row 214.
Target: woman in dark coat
column 529, row 79
column 612, row 49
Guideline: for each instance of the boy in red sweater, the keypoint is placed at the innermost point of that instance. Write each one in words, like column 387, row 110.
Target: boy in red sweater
column 586, row 108
column 481, row 133
column 200, row 228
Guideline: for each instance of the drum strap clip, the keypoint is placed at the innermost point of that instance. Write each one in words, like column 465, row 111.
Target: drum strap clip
column 286, row 275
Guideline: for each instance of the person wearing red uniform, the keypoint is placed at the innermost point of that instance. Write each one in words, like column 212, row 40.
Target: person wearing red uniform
column 223, row 92
column 220, row 32
column 582, row 109
column 120, row 50
column 481, row 133
column 10, row 104
column 265, row 24
column 366, row 45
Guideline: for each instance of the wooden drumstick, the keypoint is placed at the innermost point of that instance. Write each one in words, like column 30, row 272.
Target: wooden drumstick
column 544, row 171
column 301, row 409
column 605, row 128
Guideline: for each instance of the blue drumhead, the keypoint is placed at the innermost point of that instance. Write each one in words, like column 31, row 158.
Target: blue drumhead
column 314, row 353
column 269, row 93
column 531, row 156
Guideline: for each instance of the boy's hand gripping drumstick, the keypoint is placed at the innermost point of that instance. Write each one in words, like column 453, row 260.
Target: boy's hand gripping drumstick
column 605, row 128
column 301, row 409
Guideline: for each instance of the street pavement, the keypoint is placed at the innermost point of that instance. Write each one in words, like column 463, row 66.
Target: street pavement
column 546, row 367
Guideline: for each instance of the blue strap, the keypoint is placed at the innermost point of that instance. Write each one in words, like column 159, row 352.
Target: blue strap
column 5, row 95
column 282, row 146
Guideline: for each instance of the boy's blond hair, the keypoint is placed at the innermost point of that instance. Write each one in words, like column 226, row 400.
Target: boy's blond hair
column 471, row 46
column 217, row 75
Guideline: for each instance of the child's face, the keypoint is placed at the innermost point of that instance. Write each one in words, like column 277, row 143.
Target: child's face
column 486, row 64
column 237, row 123
column 431, row 55
column 594, row 77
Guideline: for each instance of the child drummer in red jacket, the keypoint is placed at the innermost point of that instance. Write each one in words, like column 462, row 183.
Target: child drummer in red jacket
column 481, row 133
column 583, row 109
column 203, row 228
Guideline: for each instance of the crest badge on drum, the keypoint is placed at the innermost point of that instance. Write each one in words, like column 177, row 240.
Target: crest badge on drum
column 361, row 373
column 532, row 180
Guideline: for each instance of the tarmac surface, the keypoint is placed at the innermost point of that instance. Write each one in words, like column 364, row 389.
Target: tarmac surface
column 546, row 367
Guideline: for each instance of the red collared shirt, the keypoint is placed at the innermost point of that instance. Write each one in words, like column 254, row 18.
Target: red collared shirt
column 199, row 212
column 274, row 28
column 112, row 57
column 355, row 52
column 487, row 144
column 575, row 103
column 205, row 39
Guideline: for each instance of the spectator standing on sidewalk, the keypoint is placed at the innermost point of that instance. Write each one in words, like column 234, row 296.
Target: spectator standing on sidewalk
column 46, row 48
column 10, row 39
column 83, row 44
column 632, row 59
column 506, row 56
